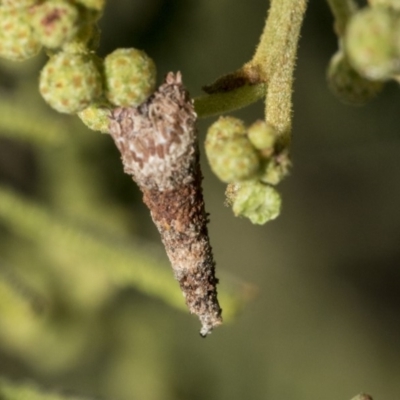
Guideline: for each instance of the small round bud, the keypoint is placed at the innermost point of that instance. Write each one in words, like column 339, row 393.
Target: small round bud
column 347, row 84
column 17, row 43
column 54, row 22
column 226, row 127
column 230, row 154
column 372, row 43
column 96, row 116
column 130, row 77
column 276, row 169
column 70, row 82
column 258, row 202
column 263, row 137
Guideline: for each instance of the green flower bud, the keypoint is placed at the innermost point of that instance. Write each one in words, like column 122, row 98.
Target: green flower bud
column 130, row 77
column 230, row 154
column 258, row 202
column 17, row 43
column 276, row 169
column 227, row 127
column 70, row 82
column 263, row 137
column 18, row 3
column 372, row 43
column 96, row 116
column 54, row 22
column 347, row 84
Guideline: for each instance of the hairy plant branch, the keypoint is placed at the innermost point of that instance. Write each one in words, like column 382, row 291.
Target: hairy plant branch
column 280, row 48
column 269, row 71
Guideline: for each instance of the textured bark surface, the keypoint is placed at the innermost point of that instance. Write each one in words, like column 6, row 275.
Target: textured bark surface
column 158, row 145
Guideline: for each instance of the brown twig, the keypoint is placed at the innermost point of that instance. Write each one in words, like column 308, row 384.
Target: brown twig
column 159, row 148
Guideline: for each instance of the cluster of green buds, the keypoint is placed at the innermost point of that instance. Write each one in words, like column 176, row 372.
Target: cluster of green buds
column 369, row 52
column 129, row 78
column 74, row 79
column 252, row 161
column 28, row 25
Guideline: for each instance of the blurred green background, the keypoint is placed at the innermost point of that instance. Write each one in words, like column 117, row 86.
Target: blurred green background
column 320, row 286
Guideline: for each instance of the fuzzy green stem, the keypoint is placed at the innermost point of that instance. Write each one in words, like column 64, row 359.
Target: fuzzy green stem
column 276, row 56
column 280, row 35
column 342, row 10
column 218, row 103
column 272, row 65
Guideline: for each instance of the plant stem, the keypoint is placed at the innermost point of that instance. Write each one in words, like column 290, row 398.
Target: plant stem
column 342, row 10
column 218, row 103
column 271, row 70
column 275, row 57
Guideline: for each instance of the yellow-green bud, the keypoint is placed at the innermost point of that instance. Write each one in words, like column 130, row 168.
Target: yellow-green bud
column 372, row 42
column 18, row 3
column 263, row 137
column 258, row 202
column 227, row 127
column 130, row 77
column 17, row 42
column 96, row 116
column 54, row 22
column 347, row 84
column 70, row 82
column 276, row 169
column 230, row 154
